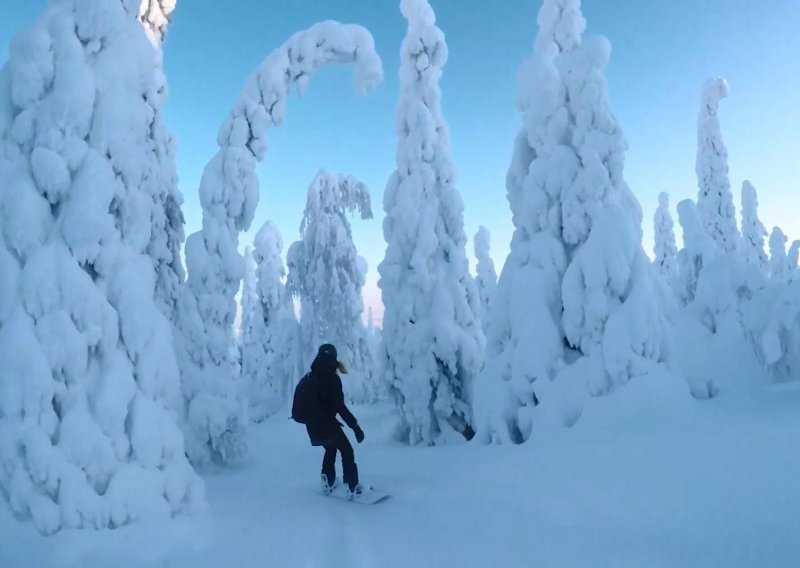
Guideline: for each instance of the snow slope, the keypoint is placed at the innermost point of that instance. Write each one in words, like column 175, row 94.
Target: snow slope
column 648, row 477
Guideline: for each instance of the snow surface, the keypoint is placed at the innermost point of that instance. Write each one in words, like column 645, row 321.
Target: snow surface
column 648, row 477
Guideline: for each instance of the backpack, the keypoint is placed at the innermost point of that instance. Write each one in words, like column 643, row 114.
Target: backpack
column 305, row 400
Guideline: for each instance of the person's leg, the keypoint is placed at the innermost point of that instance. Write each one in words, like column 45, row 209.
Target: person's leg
column 349, row 467
column 329, row 464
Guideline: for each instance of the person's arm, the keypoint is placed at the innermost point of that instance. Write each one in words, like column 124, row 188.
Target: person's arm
column 341, row 407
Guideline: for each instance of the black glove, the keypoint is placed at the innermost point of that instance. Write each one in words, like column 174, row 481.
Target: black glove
column 359, row 433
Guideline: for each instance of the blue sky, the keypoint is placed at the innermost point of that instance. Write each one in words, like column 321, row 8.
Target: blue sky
column 662, row 52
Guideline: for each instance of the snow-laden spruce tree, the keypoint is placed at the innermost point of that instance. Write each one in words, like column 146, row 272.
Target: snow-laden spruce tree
column 155, row 16
column 485, row 274
column 698, row 250
column 753, row 230
column 714, row 197
column 778, row 261
column 431, row 325
column 575, row 309
column 161, row 180
column 228, row 196
column 327, row 276
column 708, row 279
column 779, row 343
column 664, row 248
column 270, row 352
column 249, row 299
column 89, row 384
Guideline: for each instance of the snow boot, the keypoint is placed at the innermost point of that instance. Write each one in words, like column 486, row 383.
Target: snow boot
column 327, row 488
column 354, row 490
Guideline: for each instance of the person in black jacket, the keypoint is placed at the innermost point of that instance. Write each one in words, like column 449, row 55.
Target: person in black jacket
column 323, row 427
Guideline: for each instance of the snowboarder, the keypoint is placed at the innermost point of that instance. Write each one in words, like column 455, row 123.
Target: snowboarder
column 317, row 400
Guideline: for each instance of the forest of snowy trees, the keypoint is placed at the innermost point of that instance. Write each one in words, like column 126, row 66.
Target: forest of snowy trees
column 122, row 373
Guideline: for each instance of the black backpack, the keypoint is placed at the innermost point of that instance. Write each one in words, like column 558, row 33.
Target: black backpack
column 305, row 400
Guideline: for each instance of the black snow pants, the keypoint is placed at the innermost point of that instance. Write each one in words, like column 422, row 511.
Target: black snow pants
column 339, row 442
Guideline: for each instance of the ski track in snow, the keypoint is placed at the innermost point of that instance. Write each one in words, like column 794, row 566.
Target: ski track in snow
column 641, row 480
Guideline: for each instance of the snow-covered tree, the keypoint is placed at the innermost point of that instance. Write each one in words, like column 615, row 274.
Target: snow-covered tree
column 89, row 383
column 575, row 308
column 486, row 277
column 698, row 250
column 327, row 275
column 710, row 281
column 664, row 248
column 791, row 260
column 753, row 231
column 155, row 16
column 249, row 298
column 431, row 327
column 270, row 352
column 778, row 261
column 161, row 180
column 228, row 196
column 714, row 198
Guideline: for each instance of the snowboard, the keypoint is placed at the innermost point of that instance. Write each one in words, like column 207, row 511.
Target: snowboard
column 369, row 496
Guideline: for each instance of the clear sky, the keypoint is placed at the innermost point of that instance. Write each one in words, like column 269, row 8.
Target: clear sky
column 662, row 52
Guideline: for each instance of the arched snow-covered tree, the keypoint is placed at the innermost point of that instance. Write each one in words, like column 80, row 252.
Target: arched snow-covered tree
column 486, row 277
column 714, row 198
column 431, row 328
column 270, row 352
column 229, row 195
column 327, row 275
column 89, row 384
column 753, row 231
column 664, row 249
column 575, row 309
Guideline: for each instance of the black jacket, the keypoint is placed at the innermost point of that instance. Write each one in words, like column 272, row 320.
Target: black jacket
column 330, row 402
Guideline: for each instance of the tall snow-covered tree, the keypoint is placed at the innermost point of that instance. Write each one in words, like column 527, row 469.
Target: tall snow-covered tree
column 714, row 198
column 89, row 383
column 270, row 353
column 431, row 326
column 155, row 16
column 778, row 261
column 575, row 309
column 228, row 196
column 664, row 248
column 486, row 277
column 753, row 231
column 709, row 280
column 698, row 250
column 161, row 180
column 249, row 298
column 327, row 275
column 791, row 259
